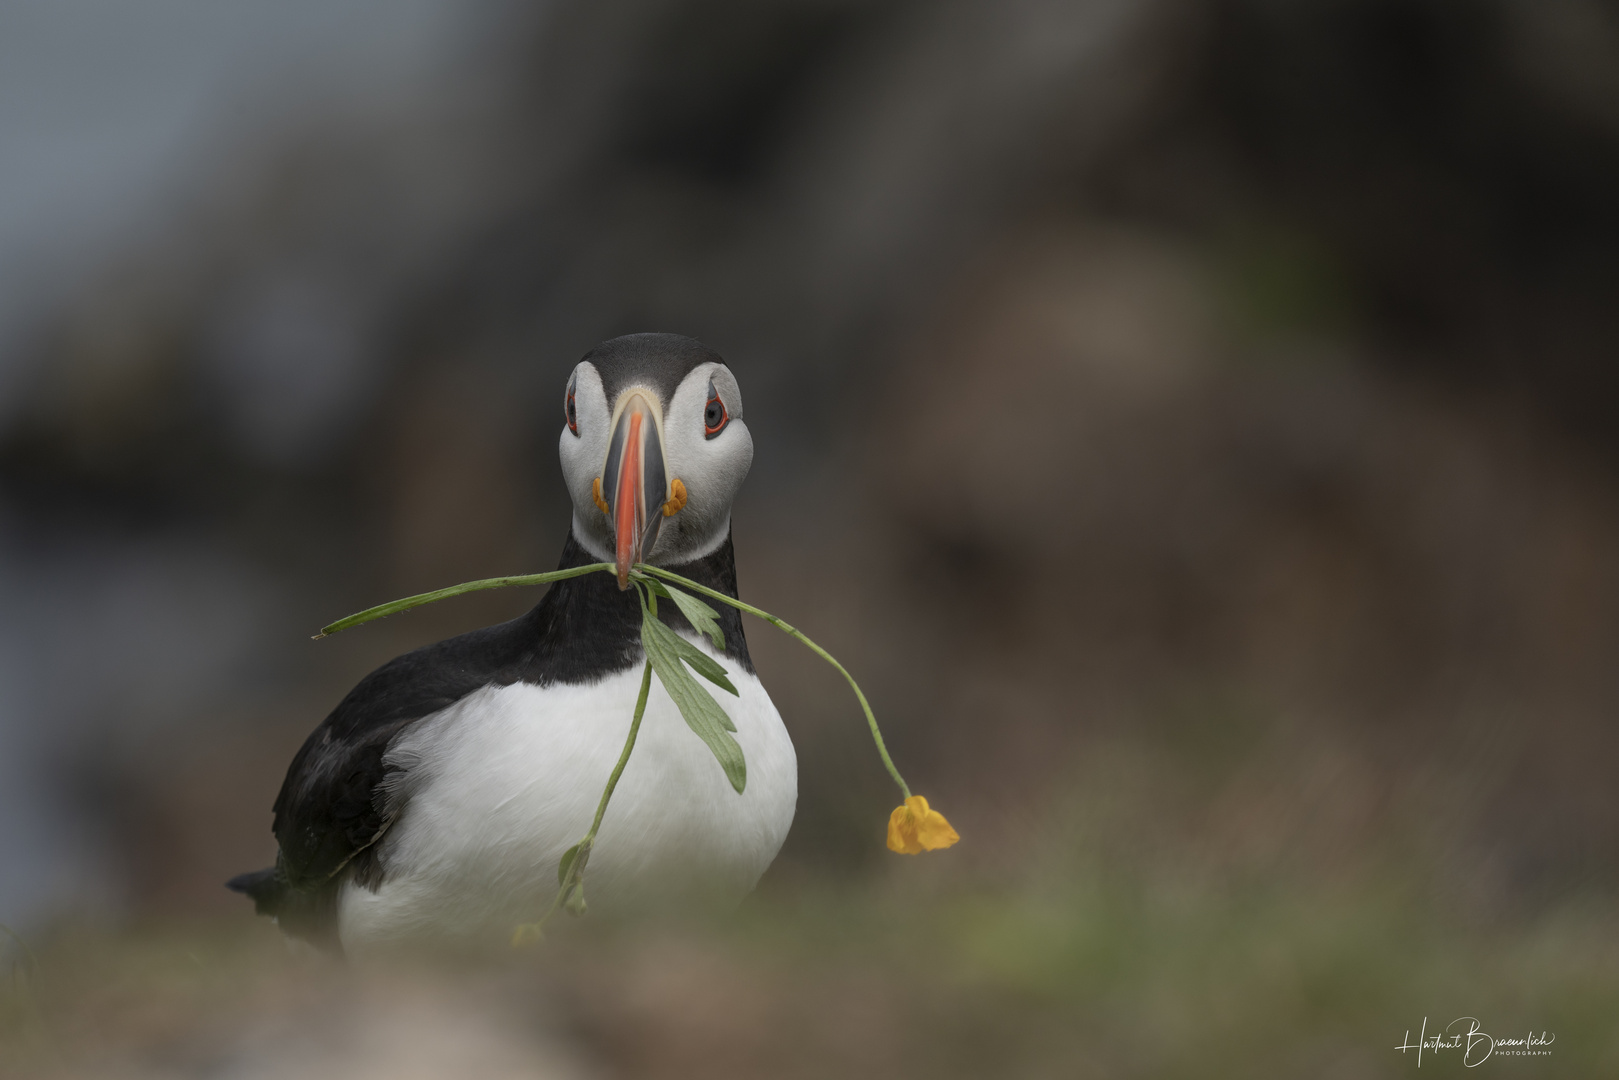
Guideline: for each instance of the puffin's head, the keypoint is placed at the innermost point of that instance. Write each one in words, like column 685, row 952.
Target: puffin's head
column 653, row 450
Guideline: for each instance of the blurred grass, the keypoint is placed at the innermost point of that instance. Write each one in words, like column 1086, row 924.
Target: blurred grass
column 1252, row 981
column 1278, row 282
column 910, row 975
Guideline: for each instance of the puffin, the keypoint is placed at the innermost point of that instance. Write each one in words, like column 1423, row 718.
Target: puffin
column 435, row 801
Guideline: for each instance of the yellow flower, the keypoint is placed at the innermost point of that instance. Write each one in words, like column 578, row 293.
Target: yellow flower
column 913, row 828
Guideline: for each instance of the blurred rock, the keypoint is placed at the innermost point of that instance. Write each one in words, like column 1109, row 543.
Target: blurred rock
column 1204, row 407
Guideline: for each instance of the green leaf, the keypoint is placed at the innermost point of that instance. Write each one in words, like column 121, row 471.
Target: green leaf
column 393, row 607
column 575, row 904
column 699, row 709
column 566, row 864
column 700, row 661
column 529, row 933
column 704, row 619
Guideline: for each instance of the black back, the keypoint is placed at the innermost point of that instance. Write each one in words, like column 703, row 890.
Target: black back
column 340, row 795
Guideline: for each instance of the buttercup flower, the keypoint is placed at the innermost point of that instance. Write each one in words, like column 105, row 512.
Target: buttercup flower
column 914, row 828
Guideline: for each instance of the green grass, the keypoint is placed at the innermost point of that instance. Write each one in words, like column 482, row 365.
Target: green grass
column 1105, row 977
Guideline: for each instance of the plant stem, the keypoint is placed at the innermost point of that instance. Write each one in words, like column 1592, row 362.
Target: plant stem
column 624, row 758
column 574, row 878
column 780, row 624
column 393, row 607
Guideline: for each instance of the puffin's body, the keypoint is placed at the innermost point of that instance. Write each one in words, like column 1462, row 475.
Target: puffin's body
column 438, row 797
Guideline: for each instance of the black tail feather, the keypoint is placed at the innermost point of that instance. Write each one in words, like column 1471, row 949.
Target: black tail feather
column 307, row 913
column 267, row 888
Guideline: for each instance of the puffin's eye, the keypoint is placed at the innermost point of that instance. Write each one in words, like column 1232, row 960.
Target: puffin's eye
column 569, row 411
column 714, row 415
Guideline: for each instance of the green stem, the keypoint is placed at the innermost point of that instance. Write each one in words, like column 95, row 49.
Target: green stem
column 624, row 758
column 393, row 607
column 575, row 875
column 871, row 720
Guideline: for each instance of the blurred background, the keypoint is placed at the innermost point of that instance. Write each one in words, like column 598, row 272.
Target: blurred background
column 1194, row 421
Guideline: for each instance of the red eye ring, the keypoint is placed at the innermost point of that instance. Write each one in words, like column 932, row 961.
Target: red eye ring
column 570, row 413
column 714, row 421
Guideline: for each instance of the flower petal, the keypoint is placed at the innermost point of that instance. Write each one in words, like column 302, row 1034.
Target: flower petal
column 935, row 832
column 932, row 830
column 902, row 832
column 917, row 827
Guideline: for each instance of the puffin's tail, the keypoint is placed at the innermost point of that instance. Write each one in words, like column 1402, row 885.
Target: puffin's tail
column 310, row 914
column 267, row 888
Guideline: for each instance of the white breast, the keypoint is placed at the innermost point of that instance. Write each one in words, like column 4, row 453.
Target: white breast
column 509, row 778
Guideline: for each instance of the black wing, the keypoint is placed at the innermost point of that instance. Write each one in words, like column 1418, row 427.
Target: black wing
column 330, row 811
column 337, row 800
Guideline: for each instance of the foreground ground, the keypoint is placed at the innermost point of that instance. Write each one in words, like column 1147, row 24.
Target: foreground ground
column 1054, row 979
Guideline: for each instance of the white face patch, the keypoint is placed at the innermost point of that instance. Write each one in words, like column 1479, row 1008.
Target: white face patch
column 712, row 469
column 582, row 455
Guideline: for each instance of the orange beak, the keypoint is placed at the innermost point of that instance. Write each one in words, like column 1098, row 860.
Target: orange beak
column 635, row 483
